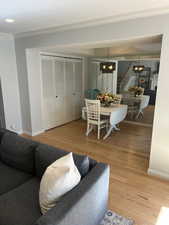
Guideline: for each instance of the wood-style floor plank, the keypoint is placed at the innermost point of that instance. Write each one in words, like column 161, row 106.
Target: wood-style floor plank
column 133, row 193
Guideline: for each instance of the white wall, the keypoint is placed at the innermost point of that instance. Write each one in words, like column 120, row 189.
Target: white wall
column 9, row 80
column 159, row 160
column 35, row 91
column 114, row 31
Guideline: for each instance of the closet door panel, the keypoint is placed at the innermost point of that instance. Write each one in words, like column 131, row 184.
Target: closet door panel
column 77, row 89
column 62, row 90
column 69, row 91
column 49, row 106
column 59, row 81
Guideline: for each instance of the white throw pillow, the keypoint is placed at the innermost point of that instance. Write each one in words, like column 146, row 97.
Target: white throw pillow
column 59, row 178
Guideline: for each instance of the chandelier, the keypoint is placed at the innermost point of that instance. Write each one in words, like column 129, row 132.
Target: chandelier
column 138, row 68
column 107, row 66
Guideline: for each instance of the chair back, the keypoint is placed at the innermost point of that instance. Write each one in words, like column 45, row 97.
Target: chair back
column 133, row 104
column 93, row 110
column 144, row 101
column 120, row 98
column 142, row 92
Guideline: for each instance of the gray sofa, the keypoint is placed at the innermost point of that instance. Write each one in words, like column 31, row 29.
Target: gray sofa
column 22, row 164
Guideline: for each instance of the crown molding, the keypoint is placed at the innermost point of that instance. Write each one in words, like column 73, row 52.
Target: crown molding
column 95, row 22
column 6, row 35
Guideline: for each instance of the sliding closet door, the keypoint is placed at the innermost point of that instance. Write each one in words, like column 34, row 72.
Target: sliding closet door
column 69, row 91
column 49, row 99
column 59, row 81
column 62, row 90
column 77, row 89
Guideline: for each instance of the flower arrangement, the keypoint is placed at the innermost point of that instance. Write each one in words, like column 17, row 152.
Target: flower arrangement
column 108, row 98
column 136, row 90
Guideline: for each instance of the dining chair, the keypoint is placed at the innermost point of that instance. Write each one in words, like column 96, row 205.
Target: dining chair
column 119, row 97
column 93, row 116
column 133, row 106
column 144, row 103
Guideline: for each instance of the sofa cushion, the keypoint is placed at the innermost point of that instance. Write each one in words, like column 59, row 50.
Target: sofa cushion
column 46, row 155
column 18, row 152
column 3, row 131
column 11, row 178
column 21, row 205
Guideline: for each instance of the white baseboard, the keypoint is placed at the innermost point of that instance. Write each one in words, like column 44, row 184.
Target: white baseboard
column 17, row 131
column 157, row 173
column 138, row 123
column 33, row 134
column 27, row 132
column 38, row 132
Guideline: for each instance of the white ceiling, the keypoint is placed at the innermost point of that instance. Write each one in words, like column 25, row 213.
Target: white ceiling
column 134, row 47
column 140, row 46
column 32, row 15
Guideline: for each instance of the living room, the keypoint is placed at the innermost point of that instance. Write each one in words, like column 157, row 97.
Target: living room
column 134, row 192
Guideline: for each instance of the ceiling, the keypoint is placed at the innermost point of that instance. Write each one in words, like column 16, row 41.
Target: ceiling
column 31, row 15
column 148, row 46
column 140, row 46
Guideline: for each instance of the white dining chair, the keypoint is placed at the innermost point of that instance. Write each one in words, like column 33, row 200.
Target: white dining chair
column 143, row 104
column 93, row 116
column 115, row 118
column 133, row 104
column 119, row 97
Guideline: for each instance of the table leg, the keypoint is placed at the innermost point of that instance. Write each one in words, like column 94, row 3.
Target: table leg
column 108, row 132
column 116, row 128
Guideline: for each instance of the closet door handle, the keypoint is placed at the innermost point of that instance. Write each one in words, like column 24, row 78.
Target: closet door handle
column 56, row 96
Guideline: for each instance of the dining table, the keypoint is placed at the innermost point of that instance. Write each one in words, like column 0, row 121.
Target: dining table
column 115, row 112
column 136, row 105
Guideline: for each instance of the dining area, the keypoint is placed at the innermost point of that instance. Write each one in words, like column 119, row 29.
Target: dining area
column 108, row 110
column 103, row 117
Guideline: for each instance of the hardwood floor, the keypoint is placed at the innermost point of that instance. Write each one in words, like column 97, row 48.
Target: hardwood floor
column 148, row 116
column 133, row 193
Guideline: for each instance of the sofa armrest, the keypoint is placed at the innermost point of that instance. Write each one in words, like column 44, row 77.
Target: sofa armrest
column 86, row 204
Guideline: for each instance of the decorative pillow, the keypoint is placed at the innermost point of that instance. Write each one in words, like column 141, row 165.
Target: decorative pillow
column 59, row 178
column 43, row 159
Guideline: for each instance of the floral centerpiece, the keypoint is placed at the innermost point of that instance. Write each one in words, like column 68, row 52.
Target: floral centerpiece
column 136, row 90
column 107, row 98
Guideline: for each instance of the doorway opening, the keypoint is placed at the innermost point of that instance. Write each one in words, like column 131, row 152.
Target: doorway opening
column 136, row 131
